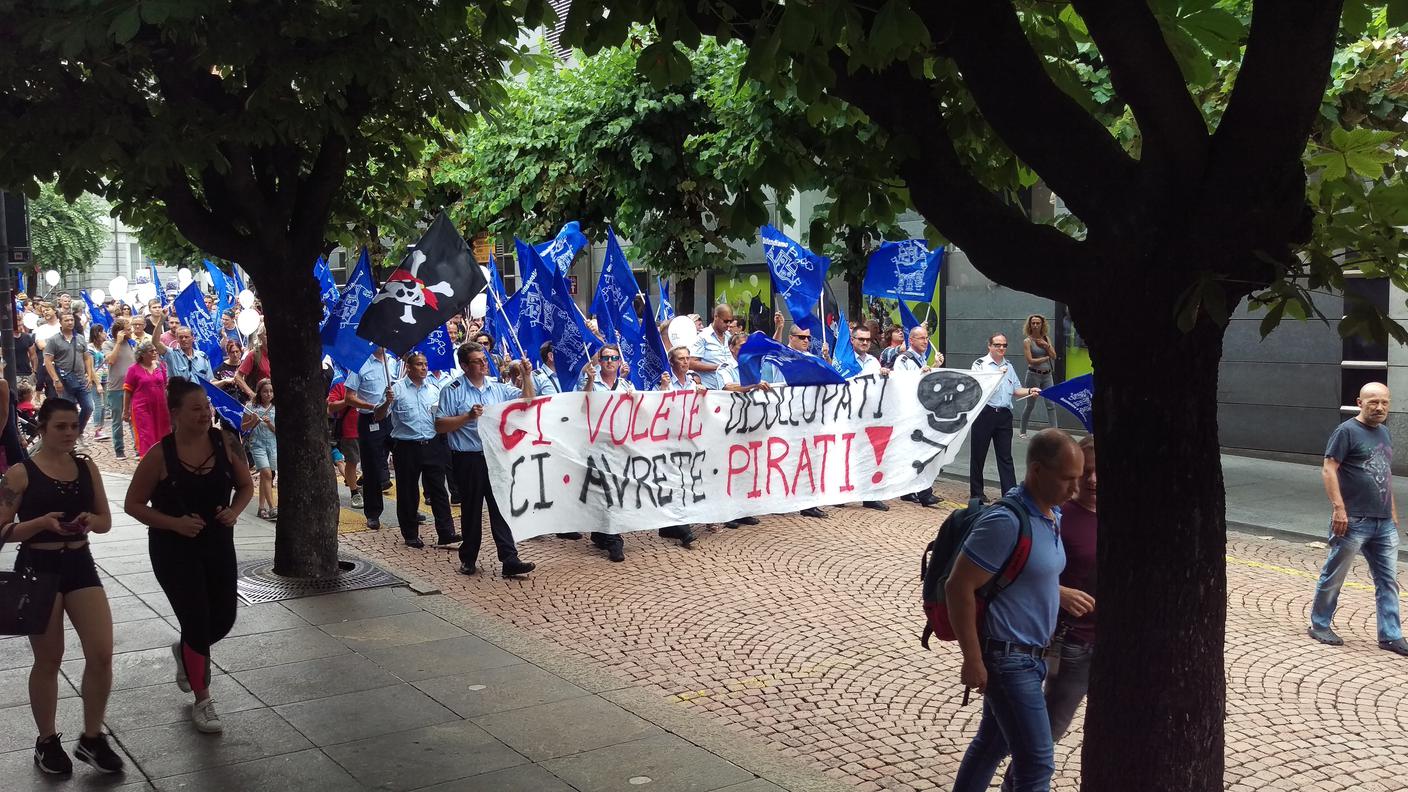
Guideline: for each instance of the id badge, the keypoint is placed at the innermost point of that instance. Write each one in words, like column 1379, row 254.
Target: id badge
column 372, row 427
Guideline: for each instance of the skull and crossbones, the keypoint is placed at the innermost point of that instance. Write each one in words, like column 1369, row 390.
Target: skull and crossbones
column 407, row 288
column 948, row 396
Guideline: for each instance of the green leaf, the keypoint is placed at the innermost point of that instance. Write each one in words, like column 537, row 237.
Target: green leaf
column 1355, row 18
column 1334, row 164
column 1397, row 13
column 1272, row 318
column 1192, row 60
column 126, row 24
column 1369, row 164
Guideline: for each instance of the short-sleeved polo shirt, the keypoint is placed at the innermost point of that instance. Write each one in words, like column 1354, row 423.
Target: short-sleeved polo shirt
column 459, row 396
column 1025, row 612
column 1002, row 395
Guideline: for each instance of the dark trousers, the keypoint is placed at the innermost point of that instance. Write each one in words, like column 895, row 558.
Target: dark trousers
column 472, row 478
column 371, row 446
column 198, row 577
column 993, row 426
column 416, row 460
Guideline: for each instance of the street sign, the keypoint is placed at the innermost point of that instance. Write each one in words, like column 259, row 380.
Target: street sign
column 572, row 285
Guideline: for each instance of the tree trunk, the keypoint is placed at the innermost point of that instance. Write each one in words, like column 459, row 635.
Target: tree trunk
column 306, row 542
column 1157, row 694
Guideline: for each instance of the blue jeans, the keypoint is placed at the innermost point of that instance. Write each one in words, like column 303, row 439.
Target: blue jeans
column 1014, row 721
column 76, row 391
column 1377, row 538
column 114, row 402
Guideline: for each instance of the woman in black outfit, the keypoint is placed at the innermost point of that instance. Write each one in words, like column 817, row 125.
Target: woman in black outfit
column 58, row 498
column 188, row 485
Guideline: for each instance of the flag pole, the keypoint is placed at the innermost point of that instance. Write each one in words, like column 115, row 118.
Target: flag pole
column 511, row 333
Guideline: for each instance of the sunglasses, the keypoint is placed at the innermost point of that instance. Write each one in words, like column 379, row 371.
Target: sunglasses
column 800, row 335
column 610, row 358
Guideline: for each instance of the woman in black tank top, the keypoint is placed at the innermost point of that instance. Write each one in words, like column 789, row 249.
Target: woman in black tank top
column 58, row 498
column 189, row 490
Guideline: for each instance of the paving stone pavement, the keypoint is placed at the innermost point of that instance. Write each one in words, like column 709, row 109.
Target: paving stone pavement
column 803, row 634
column 378, row 689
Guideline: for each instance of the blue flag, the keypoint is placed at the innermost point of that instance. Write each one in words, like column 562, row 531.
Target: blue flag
column 340, row 339
column 616, row 289
column 229, row 410
column 502, row 325
column 190, row 309
column 97, row 313
column 666, row 311
column 239, row 279
column 572, row 343
column 327, row 287
column 160, row 288
column 562, row 250
column 525, row 308
column 843, row 357
column 224, row 298
column 19, row 282
column 798, row 368
column 1076, row 395
column 644, row 349
column 797, row 273
column 904, row 270
column 438, row 350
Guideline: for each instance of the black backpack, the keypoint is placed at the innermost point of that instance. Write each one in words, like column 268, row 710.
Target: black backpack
column 936, row 564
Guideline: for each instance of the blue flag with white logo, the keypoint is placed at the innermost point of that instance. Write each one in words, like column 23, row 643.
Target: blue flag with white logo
column 501, row 323
column 616, row 290
column 229, row 410
column 327, row 287
column 525, row 308
column 160, row 288
column 438, row 350
column 798, row 368
column 843, row 357
column 797, row 273
column 1076, row 395
column 561, row 251
column 903, row 270
column 666, row 312
column 572, row 343
column 97, row 313
column 205, row 331
column 224, row 297
column 239, row 279
column 339, row 333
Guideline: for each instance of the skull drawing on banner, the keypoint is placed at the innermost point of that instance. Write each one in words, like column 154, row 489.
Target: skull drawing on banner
column 948, row 396
column 407, row 288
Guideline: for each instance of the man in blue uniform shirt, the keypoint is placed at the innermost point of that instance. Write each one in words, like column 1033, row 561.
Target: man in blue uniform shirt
column 994, row 424
column 418, row 451
column 461, row 404
column 365, row 389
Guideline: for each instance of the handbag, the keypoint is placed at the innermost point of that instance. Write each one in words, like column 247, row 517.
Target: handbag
column 26, row 597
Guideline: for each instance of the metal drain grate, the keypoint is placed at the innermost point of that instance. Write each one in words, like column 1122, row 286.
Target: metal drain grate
column 258, row 583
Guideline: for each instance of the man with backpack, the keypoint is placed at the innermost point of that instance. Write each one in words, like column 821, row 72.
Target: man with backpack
column 1004, row 641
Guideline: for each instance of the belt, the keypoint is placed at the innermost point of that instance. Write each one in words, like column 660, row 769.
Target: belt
column 997, row 409
column 1040, row 371
column 417, row 442
column 1007, row 647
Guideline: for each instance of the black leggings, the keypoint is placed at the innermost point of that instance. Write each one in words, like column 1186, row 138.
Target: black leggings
column 198, row 576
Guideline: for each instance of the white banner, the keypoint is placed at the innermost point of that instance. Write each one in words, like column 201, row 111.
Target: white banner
column 618, row 462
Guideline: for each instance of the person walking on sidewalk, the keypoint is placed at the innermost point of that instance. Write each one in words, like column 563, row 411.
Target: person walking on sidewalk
column 57, row 497
column 1358, row 479
column 1003, row 656
column 994, row 424
column 1041, row 367
column 365, row 388
column 461, row 404
column 417, row 452
column 189, row 490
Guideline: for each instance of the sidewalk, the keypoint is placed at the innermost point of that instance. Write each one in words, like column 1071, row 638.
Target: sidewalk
column 374, row 689
column 1264, row 496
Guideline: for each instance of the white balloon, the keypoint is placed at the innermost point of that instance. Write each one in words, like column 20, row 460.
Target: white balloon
column 117, row 285
column 183, row 277
column 134, row 299
column 51, row 277
column 248, row 322
column 45, row 332
column 146, row 292
column 30, row 320
column 97, row 296
column 246, row 299
column 479, row 305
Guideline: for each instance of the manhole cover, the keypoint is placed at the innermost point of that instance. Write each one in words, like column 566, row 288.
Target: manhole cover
column 258, row 583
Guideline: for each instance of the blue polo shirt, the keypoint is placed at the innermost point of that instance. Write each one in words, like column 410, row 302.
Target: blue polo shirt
column 1002, row 395
column 413, row 411
column 194, row 368
column 1024, row 613
column 459, row 396
column 369, row 381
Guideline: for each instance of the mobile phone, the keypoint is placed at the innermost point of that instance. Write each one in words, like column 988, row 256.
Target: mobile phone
column 73, row 527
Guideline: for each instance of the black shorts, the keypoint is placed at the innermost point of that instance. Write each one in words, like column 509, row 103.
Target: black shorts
column 74, row 566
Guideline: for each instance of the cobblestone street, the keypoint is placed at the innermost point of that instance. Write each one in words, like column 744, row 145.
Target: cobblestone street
column 804, row 633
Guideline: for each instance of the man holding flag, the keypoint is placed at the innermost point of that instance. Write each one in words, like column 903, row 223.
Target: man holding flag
column 711, row 353
column 916, row 357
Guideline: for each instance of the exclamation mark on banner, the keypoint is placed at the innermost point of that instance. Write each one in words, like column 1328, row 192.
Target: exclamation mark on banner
column 879, row 438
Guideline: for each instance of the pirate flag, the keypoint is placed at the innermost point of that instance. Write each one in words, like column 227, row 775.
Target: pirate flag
column 435, row 281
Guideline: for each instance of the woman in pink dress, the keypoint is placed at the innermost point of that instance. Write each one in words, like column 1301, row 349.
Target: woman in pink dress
column 144, row 399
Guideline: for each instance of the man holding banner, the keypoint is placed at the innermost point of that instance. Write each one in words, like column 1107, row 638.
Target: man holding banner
column 916, row 357
column 994, row 423
column 711, row 350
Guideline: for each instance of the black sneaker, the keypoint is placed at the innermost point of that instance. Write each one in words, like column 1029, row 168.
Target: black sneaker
column 120, row 455
column 50, row 756
column 449, row 540
column 95, row 751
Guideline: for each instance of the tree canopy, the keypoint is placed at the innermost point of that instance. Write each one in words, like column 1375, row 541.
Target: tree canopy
column 65, row 235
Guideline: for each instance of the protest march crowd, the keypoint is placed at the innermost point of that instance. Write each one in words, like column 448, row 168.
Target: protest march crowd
column 415, row 367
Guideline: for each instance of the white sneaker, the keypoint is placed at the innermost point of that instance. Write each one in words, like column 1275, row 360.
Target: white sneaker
column 206, row 719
